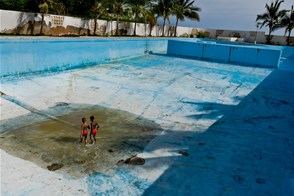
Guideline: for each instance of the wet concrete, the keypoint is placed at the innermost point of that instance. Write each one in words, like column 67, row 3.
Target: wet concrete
column 120, row 136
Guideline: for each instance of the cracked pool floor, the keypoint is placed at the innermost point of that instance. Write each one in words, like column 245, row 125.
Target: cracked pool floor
column 227, row 129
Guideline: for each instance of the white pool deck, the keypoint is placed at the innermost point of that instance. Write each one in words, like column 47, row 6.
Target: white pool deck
column 235, row 122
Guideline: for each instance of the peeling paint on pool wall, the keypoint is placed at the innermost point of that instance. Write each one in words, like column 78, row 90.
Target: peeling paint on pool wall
column 240, row 54
column 19, row 56
column 223, row 128
column 24, row 56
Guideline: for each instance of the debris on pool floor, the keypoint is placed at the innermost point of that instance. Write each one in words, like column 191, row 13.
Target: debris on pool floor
column 121, row 135
column 227, row 129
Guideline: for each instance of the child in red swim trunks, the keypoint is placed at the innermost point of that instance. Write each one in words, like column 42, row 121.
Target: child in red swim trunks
column 94, row 129
column 84, row 130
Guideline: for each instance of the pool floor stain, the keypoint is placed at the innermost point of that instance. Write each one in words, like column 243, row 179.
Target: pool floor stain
column 120, row 136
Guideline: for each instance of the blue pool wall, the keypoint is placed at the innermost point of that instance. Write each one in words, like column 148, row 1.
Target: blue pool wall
column 287, row 52
column 231, row 53
column 26, row 56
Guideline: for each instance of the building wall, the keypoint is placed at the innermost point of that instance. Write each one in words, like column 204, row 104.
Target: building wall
column 13, row 22
column 282, row 40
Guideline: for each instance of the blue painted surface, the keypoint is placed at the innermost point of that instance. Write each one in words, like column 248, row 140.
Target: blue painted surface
column 255, row 56
column 233, row 156
column 21, row 56
column 240, row 54
column 287, row 52
column 216, row 52
column 26, row 56
column 119, row 183
column 189, row 49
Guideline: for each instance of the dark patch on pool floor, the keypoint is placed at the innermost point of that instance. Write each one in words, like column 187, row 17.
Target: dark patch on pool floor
column 259, row 180
column 54, row 166
column 238, row 178
column 51, row 141
column 61, row 104
column 184, row 153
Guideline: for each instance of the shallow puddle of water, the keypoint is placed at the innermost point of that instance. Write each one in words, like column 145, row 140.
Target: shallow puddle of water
column 121, row 135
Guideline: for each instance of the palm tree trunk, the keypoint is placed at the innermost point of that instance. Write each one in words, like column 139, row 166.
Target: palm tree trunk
column 269, row 36
column 107, row 25
column 95, row 26
column 117, row 19
column 145, row 29
column 135, row 29
column 175, row 35
column 111, row 28
column 41, row 30
column 150, row 30
column 163, row 28
column 33, row 26
column 288, row 39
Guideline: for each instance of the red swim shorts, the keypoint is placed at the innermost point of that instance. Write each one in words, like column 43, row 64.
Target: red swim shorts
column 85, row 133
column 94, row 131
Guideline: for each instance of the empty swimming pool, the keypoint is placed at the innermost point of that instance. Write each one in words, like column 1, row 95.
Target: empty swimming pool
column 212, row 127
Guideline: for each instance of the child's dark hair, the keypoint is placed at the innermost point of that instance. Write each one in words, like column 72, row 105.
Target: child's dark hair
column 92, row 118
column 83, row 119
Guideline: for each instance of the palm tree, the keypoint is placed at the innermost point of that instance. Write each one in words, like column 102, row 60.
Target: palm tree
column 288, row 22
column 98, row 9
column 150, row 15
column 118, row 8
column 109, row 13
column 271, row 17
column 58, row 8
column 149, row 18
column 163, row 8
column 138, row 10
column 185, row 8
column 43, row 10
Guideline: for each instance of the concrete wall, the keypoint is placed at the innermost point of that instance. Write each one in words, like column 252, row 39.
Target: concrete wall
column 287, row 59
column 186, row 49
column 255, row 56
column 249, row 36
column 21, row 56
column 13, row 22
column 252, row 55
column 281, row 40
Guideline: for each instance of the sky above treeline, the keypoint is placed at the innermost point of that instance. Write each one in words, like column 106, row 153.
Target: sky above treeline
column 232, row 14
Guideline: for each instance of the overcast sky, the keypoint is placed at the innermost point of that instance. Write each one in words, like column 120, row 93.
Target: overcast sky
column 232, row 14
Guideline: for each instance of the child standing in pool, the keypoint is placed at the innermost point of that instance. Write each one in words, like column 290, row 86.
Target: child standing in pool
column 84, row 130
column 94, row 128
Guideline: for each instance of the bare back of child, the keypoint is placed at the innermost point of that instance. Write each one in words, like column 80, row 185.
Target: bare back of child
column 94, row 128
column 84, row 130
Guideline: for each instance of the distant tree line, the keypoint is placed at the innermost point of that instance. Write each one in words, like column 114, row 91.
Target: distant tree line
column 79, row 8
column 275, row 18
column 143, row 11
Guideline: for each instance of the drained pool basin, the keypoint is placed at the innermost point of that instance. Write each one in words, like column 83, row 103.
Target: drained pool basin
column 197, row 126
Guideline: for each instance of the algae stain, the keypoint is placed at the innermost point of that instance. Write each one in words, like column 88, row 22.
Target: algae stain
column 121, row 135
